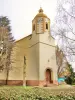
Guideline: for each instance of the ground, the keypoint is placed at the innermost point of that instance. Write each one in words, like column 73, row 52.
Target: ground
column 63, row 92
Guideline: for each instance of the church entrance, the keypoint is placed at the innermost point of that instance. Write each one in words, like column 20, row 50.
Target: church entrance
column 48, row 76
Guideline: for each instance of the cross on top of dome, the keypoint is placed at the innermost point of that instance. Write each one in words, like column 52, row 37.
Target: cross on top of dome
column 40, row 10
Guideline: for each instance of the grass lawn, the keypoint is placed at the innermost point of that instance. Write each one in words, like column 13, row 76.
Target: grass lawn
column 37, row 93
column 73, row 85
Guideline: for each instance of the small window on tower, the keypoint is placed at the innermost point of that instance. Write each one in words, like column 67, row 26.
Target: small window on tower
column 46, row 25
column 34, row 27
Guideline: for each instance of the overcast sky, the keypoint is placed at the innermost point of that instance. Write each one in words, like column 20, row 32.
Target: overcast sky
column 22, row 12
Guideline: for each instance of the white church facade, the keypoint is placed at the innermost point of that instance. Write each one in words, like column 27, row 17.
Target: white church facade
column 40, row 52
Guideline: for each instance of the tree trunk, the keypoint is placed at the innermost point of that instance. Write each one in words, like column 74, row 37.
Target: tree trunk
column 7, row 75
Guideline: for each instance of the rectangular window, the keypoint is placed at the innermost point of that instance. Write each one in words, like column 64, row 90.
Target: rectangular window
column 46, row 25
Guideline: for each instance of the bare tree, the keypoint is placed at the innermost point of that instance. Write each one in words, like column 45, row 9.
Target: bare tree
column 64, row 28
column 6, row 45
column 62, row 63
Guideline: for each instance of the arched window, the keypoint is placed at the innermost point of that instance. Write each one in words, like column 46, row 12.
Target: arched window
column 47, row 26
column 34, row 27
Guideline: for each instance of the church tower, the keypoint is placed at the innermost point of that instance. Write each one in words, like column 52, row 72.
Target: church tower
column 44, row 49
column 40, row 23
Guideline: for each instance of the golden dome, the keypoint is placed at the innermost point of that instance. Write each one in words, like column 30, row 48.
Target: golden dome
column 40, row 14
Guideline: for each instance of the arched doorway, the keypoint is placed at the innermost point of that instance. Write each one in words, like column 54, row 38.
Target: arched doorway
column 48, row 76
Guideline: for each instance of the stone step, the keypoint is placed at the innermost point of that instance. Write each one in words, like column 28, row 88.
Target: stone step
column 49, row 85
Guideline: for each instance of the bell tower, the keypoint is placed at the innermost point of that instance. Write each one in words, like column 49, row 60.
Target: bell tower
column 43, row 50
column 40, row 23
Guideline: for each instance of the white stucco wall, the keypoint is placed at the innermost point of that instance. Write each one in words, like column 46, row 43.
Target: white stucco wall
column 3, row 75
column 33, row 63
column 28, row 47
column 47, row 60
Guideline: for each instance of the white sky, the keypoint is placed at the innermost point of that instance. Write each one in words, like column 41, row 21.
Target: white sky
column 22, row 12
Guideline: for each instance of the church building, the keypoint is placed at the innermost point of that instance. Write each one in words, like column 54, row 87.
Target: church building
column 39, row 50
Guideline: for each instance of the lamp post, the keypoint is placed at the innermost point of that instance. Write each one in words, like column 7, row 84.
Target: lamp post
column 24, row 72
